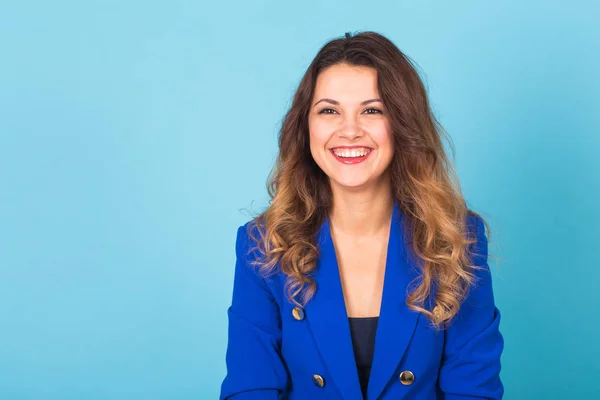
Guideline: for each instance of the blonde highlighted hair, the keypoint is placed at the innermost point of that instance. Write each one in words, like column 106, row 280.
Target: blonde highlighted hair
column 423, row 181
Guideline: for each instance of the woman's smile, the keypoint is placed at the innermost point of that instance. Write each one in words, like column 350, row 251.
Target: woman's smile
column 351, row 154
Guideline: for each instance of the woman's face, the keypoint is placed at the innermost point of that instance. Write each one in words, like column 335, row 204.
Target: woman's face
column 350, row 138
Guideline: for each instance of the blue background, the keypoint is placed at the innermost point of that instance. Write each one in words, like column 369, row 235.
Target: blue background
column 136, row 136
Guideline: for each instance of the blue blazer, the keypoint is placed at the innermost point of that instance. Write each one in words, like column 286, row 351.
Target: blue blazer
column 274, row 352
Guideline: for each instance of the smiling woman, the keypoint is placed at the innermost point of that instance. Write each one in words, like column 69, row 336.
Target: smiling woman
column 367, row 275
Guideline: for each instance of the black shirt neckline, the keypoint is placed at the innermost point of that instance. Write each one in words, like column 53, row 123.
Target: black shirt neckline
column 362, row 331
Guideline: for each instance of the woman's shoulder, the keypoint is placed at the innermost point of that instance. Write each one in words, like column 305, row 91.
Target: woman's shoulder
column 249, row 236
column 475, row 221
column 476, row 229
column 250, row 252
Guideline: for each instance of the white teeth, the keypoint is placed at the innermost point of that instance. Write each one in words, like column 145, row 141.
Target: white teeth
column 351, row 152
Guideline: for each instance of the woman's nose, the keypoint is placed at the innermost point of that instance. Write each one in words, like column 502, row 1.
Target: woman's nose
column 351, row 128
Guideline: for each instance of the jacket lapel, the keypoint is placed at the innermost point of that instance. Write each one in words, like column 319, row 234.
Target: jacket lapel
column 396, row 321
column 328, row 318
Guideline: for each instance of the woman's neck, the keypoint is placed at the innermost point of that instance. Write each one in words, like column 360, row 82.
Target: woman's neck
column 364, row 213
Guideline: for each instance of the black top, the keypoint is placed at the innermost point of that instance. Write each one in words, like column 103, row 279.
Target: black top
column 363, row 331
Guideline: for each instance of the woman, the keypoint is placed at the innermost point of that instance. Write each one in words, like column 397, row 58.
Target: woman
column 367, row 276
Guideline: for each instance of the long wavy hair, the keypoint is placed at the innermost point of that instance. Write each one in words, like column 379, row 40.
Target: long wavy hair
column 423, row 182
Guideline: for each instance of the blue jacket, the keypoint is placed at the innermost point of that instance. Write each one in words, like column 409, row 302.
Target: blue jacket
column 275, row 352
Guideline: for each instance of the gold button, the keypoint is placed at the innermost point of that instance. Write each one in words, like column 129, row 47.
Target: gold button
column 437, row 312
column 298, row 313
column 407, row 377
column 318, row 380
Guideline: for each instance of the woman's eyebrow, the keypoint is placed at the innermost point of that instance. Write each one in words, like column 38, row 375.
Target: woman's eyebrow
column 337, row 102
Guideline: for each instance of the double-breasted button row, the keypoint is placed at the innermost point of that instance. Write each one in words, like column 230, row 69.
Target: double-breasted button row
column 298, row 313
column 407, row 377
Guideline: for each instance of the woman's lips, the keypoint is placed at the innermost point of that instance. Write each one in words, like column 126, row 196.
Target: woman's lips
column 351, row 160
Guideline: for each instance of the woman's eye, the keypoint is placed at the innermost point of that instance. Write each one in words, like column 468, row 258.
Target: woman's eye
column 325, row 109
column 378, row 111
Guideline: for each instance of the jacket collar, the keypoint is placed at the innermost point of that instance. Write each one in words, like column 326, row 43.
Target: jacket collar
column 328, row 319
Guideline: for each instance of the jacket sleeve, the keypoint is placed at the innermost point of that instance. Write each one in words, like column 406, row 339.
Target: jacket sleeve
column 471, row 361
column 255, row 369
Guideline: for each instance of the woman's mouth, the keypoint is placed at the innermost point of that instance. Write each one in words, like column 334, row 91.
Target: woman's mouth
column 351, row 155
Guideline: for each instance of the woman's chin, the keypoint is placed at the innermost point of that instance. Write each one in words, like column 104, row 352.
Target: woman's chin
column 352, row 184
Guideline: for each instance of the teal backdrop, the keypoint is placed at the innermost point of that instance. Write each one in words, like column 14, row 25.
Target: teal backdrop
column 136, row 136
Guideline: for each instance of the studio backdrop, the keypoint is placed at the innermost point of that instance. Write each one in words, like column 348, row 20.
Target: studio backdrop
column 135, row 137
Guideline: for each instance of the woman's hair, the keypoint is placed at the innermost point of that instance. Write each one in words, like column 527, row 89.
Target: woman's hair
column 423, row 182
